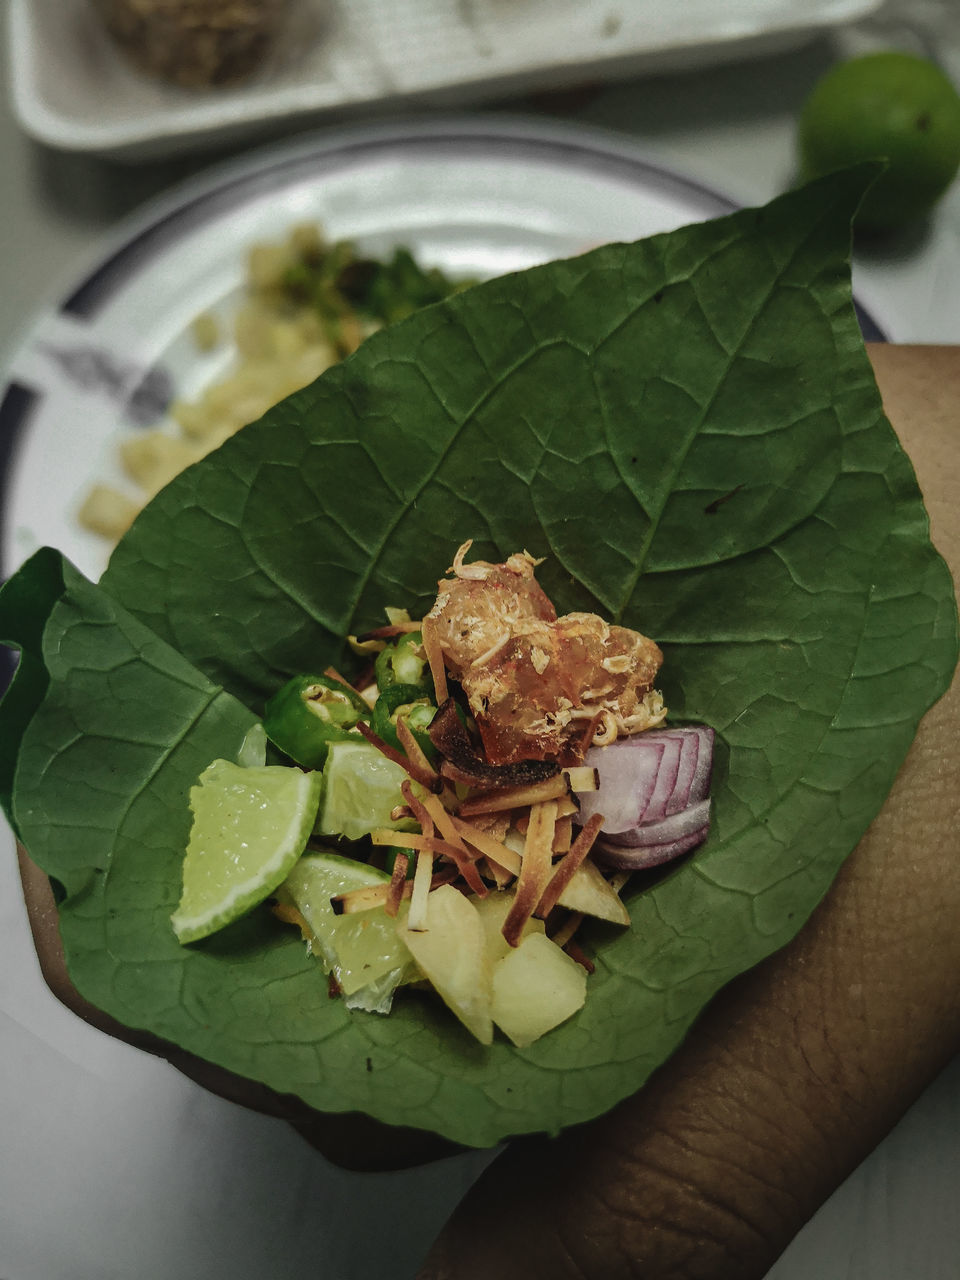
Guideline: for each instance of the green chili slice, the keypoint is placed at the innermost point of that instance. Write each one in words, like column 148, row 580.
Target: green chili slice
column 404, row 662
column 308, row 713
column 407, row 702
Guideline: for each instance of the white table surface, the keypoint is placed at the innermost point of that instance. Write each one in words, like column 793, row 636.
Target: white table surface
column 114, row 1165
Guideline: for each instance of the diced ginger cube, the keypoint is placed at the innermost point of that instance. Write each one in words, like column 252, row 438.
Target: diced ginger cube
column 535, row 988
column 154, row 458
column 590, row 893
column 268, row 263
column 205, row 329
column 452, row 954
column 108, row 512
column 493, row 911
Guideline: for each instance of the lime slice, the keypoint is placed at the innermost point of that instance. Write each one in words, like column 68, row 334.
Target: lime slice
column 360, row 788
column 361, row 948
column 249, row 828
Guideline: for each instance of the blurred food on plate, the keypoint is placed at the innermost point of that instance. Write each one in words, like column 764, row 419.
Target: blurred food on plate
column 307, row 304
column 194, row 43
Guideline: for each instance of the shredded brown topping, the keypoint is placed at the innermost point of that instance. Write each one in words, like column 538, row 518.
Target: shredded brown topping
column 568, row 865
column 398, row 882
column 534, row 871
column 427, row 777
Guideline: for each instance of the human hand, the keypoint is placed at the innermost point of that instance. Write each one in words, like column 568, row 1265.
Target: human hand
column 790, row 1078
column 800, row 1067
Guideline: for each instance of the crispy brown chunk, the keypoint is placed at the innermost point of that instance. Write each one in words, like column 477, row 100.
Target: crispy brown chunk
column 484, row 605
column 540, row 687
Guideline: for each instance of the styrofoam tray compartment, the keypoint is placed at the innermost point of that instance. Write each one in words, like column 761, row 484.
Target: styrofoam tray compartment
column 73, row 89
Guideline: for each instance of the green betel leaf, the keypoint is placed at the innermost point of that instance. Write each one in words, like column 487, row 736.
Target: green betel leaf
column 689, row 430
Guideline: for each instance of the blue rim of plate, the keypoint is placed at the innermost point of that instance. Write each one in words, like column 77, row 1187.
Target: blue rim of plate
column 141, row 238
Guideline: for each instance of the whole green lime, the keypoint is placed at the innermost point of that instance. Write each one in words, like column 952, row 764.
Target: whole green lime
column 891, row 105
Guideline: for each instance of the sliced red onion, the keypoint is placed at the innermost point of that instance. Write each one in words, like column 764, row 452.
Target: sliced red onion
column 648, row 776
column 626, row 782
column 626, row 859
column 676, row 826
column 700, row 761
column 665, row 792
column 653, row 794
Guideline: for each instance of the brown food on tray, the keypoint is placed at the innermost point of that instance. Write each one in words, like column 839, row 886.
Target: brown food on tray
column 194, row 43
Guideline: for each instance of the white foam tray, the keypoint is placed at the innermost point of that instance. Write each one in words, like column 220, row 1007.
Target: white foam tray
column 71, row 89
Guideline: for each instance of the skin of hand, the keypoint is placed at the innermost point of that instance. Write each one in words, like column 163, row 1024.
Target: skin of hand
column 799, row 1068
column 788, row 1080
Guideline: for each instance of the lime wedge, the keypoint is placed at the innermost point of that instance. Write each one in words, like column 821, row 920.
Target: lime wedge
column 249, row 828
column 360, row 788
column 361, row 948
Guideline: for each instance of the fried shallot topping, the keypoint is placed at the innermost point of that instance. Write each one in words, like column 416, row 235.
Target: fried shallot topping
column 539, row 686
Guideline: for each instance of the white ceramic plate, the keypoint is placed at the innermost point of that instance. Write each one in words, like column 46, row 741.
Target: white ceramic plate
column 71, row 88
column 475, row 197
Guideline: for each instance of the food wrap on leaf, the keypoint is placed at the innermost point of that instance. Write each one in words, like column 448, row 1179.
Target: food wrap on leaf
column 688, row 430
